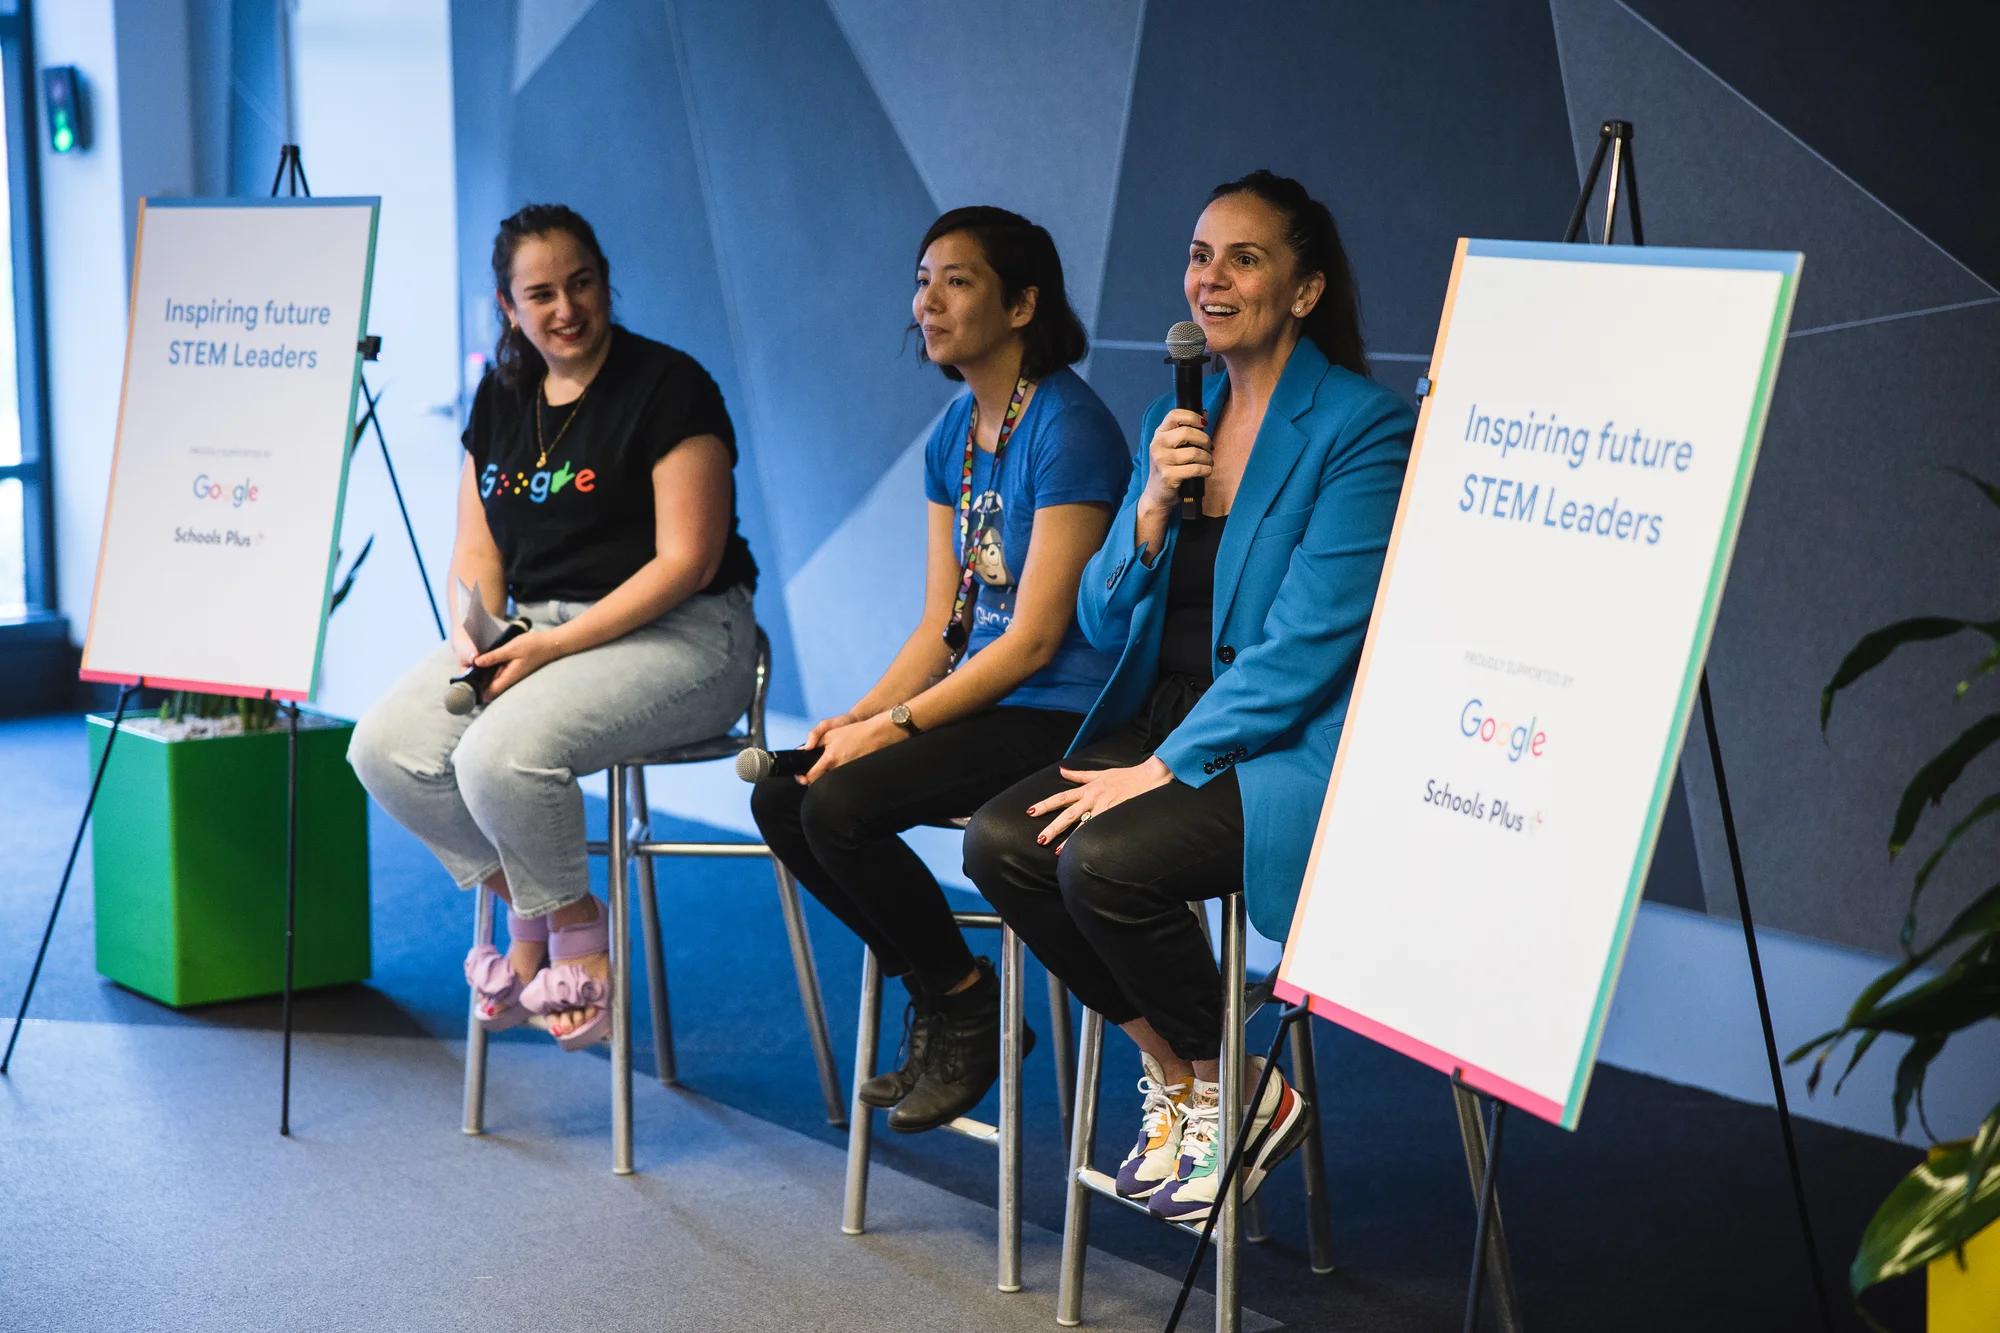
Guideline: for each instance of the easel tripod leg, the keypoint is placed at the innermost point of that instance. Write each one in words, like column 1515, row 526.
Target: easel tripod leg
column 1764, row 1009
column 1312, row 1153
column 1499, row 1263
column 1488, row 1207
column 291, row 903
column 90, row 802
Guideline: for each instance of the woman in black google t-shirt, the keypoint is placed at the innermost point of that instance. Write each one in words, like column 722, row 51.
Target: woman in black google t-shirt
column 598, row 498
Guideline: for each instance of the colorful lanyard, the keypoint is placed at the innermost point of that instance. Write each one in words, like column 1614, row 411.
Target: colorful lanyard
column 957, row 633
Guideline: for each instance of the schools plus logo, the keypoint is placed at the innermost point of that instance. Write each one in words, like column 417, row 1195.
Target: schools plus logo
column 1516, row 740
column 537, row 486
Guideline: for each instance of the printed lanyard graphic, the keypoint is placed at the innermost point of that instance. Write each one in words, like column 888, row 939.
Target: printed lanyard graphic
column 958, row 630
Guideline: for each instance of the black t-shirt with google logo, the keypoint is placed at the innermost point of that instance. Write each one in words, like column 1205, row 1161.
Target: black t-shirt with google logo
column 577, row 524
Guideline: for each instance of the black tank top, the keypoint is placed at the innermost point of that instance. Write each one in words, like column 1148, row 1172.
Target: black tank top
column 1186, row 645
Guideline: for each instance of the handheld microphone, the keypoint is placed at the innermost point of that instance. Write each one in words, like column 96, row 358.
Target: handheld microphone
column 1187, row 352
column 462, row 694
column 754, row 765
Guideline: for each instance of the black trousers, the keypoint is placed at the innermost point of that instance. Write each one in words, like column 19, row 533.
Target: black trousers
column 1109, row 914
column 839, row 835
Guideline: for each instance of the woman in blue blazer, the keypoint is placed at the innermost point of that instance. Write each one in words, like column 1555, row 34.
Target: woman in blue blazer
column 1201, row 768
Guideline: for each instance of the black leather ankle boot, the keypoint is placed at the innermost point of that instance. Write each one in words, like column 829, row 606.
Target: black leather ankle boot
column 961, row 1056
column 891, row 1086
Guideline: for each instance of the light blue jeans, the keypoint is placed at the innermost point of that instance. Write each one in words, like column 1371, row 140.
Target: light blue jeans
column 496, row 789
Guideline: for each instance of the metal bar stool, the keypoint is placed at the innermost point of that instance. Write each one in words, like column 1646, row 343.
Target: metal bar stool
column 1006, row 1136
column 631, row 836
column 1238, row 1221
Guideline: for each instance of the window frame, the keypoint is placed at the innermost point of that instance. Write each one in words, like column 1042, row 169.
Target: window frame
column 20, row 86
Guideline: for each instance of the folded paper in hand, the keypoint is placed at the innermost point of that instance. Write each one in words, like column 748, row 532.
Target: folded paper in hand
column 479, row 624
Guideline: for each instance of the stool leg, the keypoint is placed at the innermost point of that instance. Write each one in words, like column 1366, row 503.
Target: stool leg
column 809, row 993
column 1254, row 1230
column 1228, row 1231
column 1012, row 1024
column 861, row 1120
column 475, row 1035
column 1062, row 1046
column 649, row 925
column 1312, row 1154
column 1082, row 1148
column 621, row 980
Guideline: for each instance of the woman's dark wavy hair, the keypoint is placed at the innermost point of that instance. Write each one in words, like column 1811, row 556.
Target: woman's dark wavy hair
column 1334, row 323
column 1024, row 256
column 515, row 360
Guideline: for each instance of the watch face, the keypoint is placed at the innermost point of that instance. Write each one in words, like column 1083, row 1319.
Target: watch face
column 900, row 715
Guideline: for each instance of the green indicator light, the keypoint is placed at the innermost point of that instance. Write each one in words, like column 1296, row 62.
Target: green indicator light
column 64, row 139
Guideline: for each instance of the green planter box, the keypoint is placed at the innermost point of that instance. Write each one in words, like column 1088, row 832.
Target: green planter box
column 188, row 844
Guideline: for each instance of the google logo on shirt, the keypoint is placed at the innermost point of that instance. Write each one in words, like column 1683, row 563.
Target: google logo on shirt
column 1517, row 738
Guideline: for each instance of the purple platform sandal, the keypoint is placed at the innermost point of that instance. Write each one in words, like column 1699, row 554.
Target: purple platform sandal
column 496, row 989
column 564, row 985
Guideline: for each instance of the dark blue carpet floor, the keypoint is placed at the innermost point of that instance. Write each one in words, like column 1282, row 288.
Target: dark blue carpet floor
column 1668, row 1210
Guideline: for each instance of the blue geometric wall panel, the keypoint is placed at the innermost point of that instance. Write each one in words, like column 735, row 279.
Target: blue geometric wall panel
column 1019, row 103
column 637, row 181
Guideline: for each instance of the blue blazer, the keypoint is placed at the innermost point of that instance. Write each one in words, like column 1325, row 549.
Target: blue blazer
column 1295, row 582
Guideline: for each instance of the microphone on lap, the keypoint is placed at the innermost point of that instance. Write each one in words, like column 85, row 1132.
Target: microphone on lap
column 754, row 765
column 1187, row 352
column 462, row 694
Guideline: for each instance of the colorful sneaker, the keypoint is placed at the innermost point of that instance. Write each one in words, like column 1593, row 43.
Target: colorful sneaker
column 1190, row 1196
column 1155, row 1158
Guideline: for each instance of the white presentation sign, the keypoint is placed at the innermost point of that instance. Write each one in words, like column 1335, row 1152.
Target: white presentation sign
column 1572, row 501
column 241, row 374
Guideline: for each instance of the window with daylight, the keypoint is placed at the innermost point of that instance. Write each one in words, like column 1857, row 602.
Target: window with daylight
column 25, row 590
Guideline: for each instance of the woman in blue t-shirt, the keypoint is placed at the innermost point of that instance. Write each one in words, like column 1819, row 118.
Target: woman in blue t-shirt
column 1021, row 474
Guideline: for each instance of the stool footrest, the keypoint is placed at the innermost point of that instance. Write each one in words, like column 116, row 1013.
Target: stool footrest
column 596, row 848
column 977, row 920
column 1098, row 1183
column 975, row 1129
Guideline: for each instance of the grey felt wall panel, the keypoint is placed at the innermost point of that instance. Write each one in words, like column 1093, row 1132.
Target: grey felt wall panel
column 1849, row 523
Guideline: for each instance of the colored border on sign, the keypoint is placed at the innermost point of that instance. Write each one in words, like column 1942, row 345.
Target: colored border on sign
column 1704, row 635
column 1403, row 1044
column 373, row 203
column 1375, row 612
column 197, row 686
column 1651, row 256
column 347, row 443
column 1787, row 265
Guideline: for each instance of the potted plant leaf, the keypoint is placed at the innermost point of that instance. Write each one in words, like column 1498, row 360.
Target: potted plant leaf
column 188, row 849
column 1937, row 1214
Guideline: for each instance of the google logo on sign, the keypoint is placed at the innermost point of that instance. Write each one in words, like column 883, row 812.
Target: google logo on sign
column 1518, row 738
column 242, row 493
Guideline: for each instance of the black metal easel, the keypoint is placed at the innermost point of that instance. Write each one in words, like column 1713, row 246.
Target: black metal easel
column 291, row 177
column 76, row 845
column 1615, row 137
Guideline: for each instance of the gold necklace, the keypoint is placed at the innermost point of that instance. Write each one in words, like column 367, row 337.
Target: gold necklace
column 541, row 397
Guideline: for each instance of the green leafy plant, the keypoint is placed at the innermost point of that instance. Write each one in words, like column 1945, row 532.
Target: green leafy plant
column 255, row 714
column 1941, row 1205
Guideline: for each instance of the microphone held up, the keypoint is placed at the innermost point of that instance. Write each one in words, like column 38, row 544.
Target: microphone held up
column 1187, row 353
